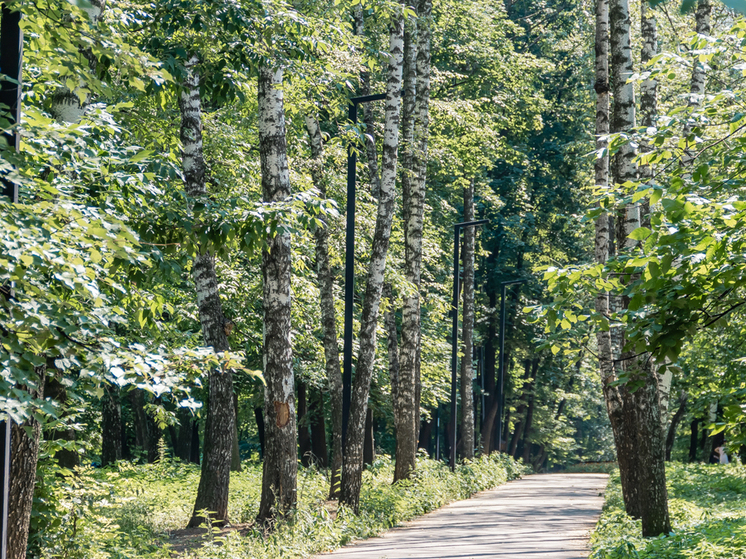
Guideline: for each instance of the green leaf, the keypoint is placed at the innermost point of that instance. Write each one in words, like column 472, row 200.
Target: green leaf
column 640, row 234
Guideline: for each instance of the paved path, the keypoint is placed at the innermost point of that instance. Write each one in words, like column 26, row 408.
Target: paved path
column 546, row 516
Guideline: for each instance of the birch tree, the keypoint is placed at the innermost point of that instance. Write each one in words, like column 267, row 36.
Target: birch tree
column 635, row 416
column 212, row 493
column 328, row 316
column 414, row 176
column 280, row 468
column 404, row 395
column 352, row 469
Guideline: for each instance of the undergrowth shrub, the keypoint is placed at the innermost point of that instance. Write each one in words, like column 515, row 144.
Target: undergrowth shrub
column 708, row 517
column 130, row 511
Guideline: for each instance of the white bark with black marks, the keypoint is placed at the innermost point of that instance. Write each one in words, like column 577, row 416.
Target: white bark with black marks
column 406, row 411
column 280, row 469
column 634, row 416
column 212, row 493
column 352, row 469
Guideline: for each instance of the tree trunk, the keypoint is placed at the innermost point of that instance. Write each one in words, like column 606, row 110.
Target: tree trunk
column 530, row 411
column 489, row 372
column 635, row 416
column 304, row 436
column 280, row 469
column 111, row 426
column 671, row 437
column 183, row 446
column 371, row 149
column 697, row 84
column 521, row 412
column 369, row 449
column 406, row 411
column 426, row 431
column 328, row 316
column 352, row 470
column 24, row 454
column 146, row 431
column 259, row 417
column 693, row 439
column 212, row 493
column 318, row 428
column 467, row 365
column 235, row 450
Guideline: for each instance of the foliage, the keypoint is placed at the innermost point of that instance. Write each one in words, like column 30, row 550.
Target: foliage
column 707, row 513
column 129, row 511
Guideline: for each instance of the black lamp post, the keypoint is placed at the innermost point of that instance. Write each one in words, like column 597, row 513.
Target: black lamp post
column 350, row 267
column 11, row 56
column 454, row 329
column 501, row 370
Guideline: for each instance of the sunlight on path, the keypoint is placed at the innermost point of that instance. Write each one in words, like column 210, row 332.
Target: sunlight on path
column 547, row 516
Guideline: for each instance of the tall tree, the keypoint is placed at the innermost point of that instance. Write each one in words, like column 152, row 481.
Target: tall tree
column 280, row 468
column 403, row 396
column 636, row 422
column 416, row 118
column 467, row 368
column 352, row 470
column 328, row 315
column 212, row 493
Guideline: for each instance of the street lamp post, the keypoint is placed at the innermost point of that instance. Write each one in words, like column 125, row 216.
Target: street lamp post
column 501, row 370
column 454, row 328
column 350, row 266
column 11, row 57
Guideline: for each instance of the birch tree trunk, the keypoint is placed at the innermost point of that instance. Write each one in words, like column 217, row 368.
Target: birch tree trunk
column 419, row 159
column 467, row 369
column 280, row 469
column 371, row 151
column 328, row 316
column 212, row 493
column 352, row 469
column 405, row 414
column 634, row 416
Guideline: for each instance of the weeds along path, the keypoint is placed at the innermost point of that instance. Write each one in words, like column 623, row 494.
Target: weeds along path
column 546, row 516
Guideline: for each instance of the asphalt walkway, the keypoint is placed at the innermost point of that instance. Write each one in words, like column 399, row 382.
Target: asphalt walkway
column 545, row 516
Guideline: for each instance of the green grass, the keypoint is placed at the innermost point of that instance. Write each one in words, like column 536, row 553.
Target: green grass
column 707, row 504
column 128, row 512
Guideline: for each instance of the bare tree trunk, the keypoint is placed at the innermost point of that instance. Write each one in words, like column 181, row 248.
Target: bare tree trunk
column 318, row 428
column 671, row 437
column 371, row 150
column 304, row 435
column 24, row 454
column 352, row 470
column 636, row 422
column 280, row 470
column 405, row 414
column 328, row 316
column 183, row 446
column 235, row 450
column 467, row 366
column 212, row 493
column 369, row 448
column 111, row 426
column 530, row 411
column 697, row 84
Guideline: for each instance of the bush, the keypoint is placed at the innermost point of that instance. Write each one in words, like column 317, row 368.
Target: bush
column 130, row 511
column 708, row 517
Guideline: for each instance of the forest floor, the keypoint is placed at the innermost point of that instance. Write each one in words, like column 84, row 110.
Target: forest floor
column 547, row 516
column 707, row 505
